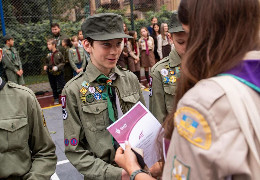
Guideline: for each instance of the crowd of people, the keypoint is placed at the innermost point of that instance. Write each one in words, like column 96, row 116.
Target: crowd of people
column 205, row 92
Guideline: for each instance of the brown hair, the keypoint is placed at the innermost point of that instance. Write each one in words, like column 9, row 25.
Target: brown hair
column 73, row 38
column 162, row 30
column 221, row 33
column 146, row 30
column 133, row 41
column 52, row 41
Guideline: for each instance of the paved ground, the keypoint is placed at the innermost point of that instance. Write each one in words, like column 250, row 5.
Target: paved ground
column 64, row 170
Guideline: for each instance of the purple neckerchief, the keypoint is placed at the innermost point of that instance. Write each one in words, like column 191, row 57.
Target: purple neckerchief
column 248, row 70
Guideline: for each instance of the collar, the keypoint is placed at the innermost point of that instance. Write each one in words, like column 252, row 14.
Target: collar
column 7, row 47
column 2, row 83
column 174, row 57
column 248, row 71
column 92, row 72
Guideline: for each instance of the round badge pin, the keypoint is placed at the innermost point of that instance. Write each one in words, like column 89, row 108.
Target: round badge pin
column 97, row 96
column 66, row 142
column 73, row 141
column 91, row 89
column 164, row 72
column 90, row 98
column 85, row 84
column 172, row 79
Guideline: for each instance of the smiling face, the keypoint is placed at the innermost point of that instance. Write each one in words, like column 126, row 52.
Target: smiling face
column 104, row 54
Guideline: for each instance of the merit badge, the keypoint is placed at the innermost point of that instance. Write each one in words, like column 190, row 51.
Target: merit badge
column 64, row 114
column 85, row 84
column 193, row 127
column 83, row 98
column 172, row 72
column 167, row 66
column 90, row 98
column 166, row 80
column 66, row 142
column 91, row 89
column 164, row 72
column 73, row 141
column 109, row 82
column 100, row 88
column 177, row 69
column 83, row 90
column 179, row 170
column 63, row 101
column 97, row 96
column 172, row 79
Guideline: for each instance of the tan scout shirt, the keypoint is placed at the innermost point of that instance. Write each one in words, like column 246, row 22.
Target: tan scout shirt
column 88, row 145
column 207, row 142
column 26, row 148
column 150, row 43
column 73, row 57
column 164, row 79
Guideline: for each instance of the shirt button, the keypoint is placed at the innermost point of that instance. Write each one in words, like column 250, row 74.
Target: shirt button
column 97, row 109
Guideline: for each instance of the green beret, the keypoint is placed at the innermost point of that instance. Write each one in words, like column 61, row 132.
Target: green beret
column 175, row 25
column 104, row 26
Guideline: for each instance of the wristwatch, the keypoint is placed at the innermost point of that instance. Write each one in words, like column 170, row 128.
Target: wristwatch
column 132, row 177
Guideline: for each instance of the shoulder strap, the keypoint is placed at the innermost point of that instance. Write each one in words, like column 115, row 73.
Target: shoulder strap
column 239, row 98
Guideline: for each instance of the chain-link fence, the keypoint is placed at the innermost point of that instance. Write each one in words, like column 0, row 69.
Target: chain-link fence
column 28, row 21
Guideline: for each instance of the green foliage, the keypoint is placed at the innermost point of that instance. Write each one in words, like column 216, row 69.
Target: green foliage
column 30, row 41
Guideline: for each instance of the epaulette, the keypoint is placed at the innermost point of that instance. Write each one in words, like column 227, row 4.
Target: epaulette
column 14, row 85
column 73, row 79
column 164, row 60
column 121, row 68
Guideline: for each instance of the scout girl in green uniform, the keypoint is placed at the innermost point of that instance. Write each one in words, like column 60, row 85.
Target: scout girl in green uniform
column 77, row 57
column 26, row 149
column 165, row 73
column 12, row 62
column 89, row 100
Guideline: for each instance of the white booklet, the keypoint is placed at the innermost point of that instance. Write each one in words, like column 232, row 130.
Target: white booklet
column 140, row 128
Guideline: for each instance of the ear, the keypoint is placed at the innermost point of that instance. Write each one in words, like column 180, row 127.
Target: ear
column 87, row 46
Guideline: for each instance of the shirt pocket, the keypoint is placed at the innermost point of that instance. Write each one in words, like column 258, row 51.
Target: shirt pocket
column 169, row 96
column 129, row 101
column 96, row 116
column 14, row 133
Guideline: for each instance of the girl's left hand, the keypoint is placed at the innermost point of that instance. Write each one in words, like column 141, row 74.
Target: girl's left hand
column 127, row 159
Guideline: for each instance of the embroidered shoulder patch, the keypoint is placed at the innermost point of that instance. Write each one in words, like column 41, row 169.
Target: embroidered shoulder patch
column 192, row 126
column 180, row 171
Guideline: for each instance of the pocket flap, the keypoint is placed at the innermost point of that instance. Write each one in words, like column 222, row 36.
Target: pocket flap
column 13, row 124
column 133, row 98
column 95, row 108
column 170, row 89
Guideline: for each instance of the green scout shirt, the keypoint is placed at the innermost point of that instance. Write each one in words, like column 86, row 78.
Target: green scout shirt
column 73, row 57
column 26, row 149
column 58, row 60
column 164, row 78
column 12, row 63
column 88, row 145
